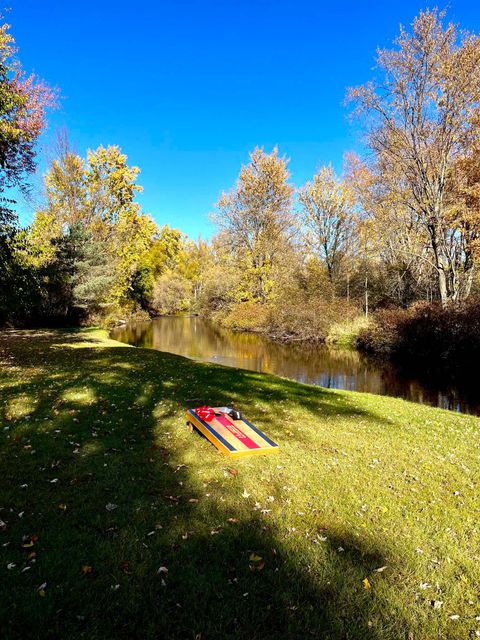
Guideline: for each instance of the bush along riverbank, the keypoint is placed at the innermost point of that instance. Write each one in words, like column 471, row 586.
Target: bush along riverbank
column 315, row 321
column 115, row 518
column 426, row 338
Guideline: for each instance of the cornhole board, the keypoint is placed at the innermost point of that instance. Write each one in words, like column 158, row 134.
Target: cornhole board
column 234, row 438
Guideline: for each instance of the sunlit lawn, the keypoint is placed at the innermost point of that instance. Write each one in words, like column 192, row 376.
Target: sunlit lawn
column 117, row 522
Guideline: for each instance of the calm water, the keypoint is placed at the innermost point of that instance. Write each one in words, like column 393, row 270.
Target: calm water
column 333, row 368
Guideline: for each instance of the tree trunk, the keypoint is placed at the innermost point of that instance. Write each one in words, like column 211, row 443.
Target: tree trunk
column 366, row 295
column 439, row 265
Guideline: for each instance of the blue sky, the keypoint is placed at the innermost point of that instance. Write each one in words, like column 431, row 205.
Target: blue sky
column 188, row 88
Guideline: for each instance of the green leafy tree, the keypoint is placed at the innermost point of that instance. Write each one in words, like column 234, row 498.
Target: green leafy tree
column 79, row 277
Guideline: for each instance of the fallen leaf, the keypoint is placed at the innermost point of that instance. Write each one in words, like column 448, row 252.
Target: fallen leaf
column 257, row 566
column 245, row 494
column 233, row 520
column 87, row 569
column 255, row 558
column 125, row 567
column 162, row 570
column 111, row 506
column 366, row 584
column 233, row 472
column 62, row 506
column 381, row 569
column 193, row 500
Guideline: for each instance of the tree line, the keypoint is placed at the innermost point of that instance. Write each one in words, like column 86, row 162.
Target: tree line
column 400, row 225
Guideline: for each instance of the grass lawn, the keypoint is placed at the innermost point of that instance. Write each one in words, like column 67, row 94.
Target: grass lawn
column 117, row 522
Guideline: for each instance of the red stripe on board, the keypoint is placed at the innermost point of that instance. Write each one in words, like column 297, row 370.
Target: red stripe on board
column 238, row 433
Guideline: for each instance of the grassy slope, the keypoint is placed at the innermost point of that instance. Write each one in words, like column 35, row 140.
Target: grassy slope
column 361, row 482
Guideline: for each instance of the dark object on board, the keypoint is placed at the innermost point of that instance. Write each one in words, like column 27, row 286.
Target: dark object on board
column 230, row 411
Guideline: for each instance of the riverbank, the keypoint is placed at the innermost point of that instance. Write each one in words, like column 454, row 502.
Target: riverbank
column 427, row 339
column 315, row 321
column 120, row 523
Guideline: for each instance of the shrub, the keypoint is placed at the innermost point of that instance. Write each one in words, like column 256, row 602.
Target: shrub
column 346, row 332
column 426, row 335
column 307, row 319
column 246, row 316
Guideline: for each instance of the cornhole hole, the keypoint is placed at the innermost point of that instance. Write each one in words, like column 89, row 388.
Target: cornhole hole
column 232, row 437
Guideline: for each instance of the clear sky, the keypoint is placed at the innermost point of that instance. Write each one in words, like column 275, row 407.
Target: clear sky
column 187, row 88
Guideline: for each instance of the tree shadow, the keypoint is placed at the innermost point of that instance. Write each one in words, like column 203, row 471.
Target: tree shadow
column 140, row 534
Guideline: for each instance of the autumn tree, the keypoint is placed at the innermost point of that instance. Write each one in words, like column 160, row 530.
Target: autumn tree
column 256, row 218
column 396, row 241
column 66, row 186
column 111, row 183
column 24, row 101
column 463, row 210
column 419, row 120
column 327, row 209
column 167, row 251
column 94, row 199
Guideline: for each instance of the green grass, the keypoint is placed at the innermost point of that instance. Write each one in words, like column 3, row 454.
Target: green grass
column 360, row 483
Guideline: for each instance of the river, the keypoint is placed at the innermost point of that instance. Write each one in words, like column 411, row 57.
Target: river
column 333, row 368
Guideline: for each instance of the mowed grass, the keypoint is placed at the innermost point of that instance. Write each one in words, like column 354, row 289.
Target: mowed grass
column 117, row 522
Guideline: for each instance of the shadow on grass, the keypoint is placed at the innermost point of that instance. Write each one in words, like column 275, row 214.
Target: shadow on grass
column 133, row 542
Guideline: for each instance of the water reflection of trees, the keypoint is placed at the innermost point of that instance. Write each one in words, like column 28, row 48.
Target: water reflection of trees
column 314, row 364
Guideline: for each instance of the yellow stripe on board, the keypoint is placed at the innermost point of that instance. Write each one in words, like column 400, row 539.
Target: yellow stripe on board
column 240, row 448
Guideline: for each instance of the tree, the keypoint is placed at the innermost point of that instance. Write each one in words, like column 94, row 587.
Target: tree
column 396, row 241
column 132, row 238
column 91, row 237
column 419, row 119
column 24, row 101
column 79, row 278
column 93, row 277
column 256, row 217
column 111, row 184
column 327, row 212
column 171, row 293
column 66, row 186
column 463, row 211
column 167, row 250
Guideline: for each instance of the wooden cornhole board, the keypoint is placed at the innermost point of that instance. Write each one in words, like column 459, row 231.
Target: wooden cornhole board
column 234, row 438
